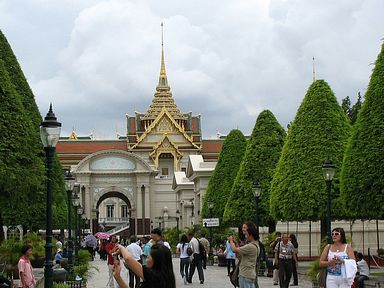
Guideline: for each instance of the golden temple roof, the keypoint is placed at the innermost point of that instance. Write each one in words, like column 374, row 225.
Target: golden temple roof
column 163, row 96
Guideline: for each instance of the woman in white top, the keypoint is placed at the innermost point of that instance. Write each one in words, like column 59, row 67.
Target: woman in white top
column 333, row 257
column 181, row 249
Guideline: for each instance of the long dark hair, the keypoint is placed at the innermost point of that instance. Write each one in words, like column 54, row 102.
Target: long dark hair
column 183, row 239
column 162, row 264
column 251, row 228
column 293, row 240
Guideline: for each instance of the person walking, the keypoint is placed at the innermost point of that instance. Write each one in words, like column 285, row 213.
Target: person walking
column 181, row 249
column 197, row 259
column 292, row 238
column 204, row 241
column 135, row 250
column 27, row 278
column 146, row 248
column 284, row 257
column 247, row 255
column 157, row 274
column 109, row 248
column 230, row 257
column 334, row 257
column 273, row 244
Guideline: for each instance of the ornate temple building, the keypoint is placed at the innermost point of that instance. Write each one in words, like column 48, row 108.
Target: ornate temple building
column 156, row 176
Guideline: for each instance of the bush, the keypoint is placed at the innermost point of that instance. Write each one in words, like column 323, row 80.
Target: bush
column 10, row 251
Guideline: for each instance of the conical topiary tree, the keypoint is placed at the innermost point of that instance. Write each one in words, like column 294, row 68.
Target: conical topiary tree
column 259, row 163
column 18, row 162
column 35, row 215
column 320, row 131
column 220, row 183
column 362, row 181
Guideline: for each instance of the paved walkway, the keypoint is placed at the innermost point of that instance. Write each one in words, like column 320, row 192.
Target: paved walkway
column 215, row 276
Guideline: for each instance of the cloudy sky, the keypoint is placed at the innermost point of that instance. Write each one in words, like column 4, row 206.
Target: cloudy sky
column 226, row 60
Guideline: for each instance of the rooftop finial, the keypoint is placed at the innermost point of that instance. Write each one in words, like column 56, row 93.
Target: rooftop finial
column 313, row 69
column 163, row 82
column 162, row 34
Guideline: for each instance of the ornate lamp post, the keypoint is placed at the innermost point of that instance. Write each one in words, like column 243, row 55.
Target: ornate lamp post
column 69, row 184
column 210, row 207
column 79, row 213
column 50, row 134
column 329, row 172
column 256, row 193
column 177, row 220
column 76, row 203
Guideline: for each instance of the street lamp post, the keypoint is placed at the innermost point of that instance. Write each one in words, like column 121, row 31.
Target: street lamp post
column 210, row 207
column 256, row 192
column 69, row 184
column 329, row 172
column 177, row 220
column 76, row 203
column 50, row 134
column 79, row 213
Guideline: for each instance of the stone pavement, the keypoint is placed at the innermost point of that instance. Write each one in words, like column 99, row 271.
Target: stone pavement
column 215, row 276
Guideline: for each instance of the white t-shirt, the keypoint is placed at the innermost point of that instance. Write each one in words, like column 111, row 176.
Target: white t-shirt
column 166, row 244
column 135, row 250
column 194, row 243
column 183, row 250
column 362, row 267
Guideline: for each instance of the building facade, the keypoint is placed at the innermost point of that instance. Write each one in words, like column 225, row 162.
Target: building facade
column 138, row 182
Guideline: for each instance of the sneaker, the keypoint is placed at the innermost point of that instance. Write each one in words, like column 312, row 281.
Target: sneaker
column 275, row 283
column 201, row 281
column 185, row 280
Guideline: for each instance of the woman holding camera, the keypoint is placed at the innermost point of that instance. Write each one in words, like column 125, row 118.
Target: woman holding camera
column 158, row 273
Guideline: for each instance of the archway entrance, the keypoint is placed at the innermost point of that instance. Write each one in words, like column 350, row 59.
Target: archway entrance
column 114, row 213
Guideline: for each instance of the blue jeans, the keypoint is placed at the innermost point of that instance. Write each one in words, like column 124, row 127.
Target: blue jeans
column 246, row 282
column 184, row 265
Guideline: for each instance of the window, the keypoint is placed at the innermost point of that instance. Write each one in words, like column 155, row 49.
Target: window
column 124, row 211
column 164, row 171
column 184, row 169
column 110, row 209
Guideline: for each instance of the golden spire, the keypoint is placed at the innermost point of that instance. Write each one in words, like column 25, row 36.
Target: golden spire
column 163, row 82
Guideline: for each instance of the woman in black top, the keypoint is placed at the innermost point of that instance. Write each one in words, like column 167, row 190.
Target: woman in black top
column 158, row 273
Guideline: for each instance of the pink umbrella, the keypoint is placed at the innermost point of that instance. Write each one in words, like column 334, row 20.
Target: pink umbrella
column 102, row 235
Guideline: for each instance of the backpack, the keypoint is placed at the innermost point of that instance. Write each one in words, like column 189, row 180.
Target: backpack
column 263, row 254
column 202, row 249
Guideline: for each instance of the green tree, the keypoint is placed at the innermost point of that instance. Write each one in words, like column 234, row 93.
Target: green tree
column 34, row 216
column 221, row 181
column 259, row 163
column 362, row 182
column 352, row 111
column 356, row 108
column 320, row 131
column 18, row 163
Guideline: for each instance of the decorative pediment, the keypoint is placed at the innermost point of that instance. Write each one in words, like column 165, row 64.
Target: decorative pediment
column 163, row 124
column 165, row 146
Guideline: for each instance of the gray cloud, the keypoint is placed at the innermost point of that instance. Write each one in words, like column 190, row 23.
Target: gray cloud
column 226, row 60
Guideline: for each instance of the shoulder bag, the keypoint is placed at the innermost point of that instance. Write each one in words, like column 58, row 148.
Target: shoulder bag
column 322, row 275
column 234, row 275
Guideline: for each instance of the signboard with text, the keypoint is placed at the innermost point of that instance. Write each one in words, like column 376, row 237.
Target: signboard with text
column 211, row 222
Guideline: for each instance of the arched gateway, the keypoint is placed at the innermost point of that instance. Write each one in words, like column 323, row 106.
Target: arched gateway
column 118, row 175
